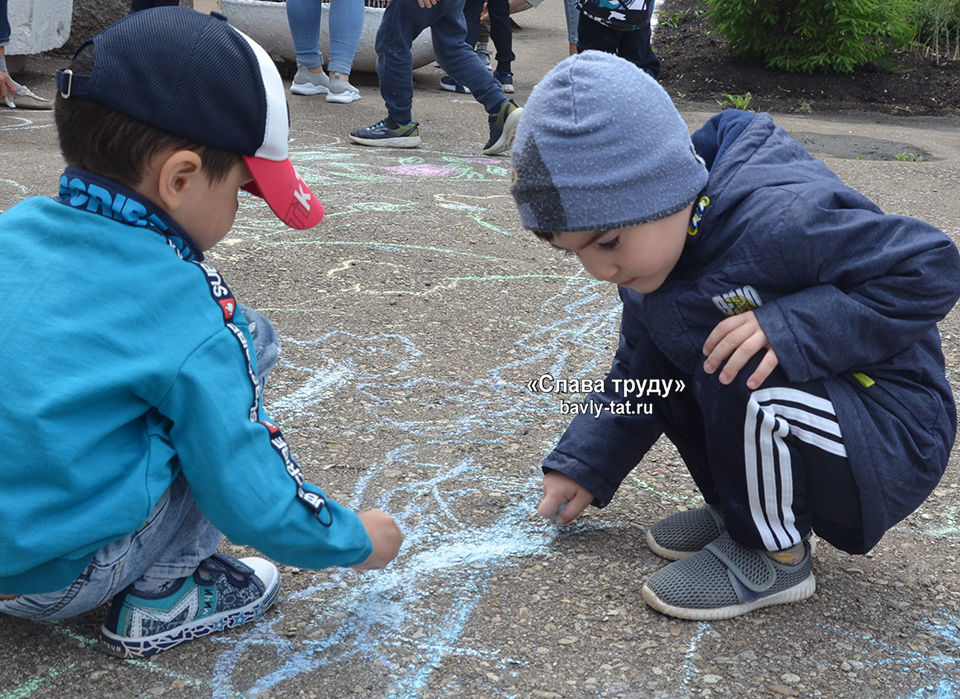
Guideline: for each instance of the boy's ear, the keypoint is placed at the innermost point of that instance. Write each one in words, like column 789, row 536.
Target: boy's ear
column 177, row 172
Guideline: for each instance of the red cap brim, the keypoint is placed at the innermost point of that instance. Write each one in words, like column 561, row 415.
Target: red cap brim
column 277, row 182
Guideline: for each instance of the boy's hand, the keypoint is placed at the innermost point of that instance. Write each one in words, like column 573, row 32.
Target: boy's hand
column 7, row 87
column 734, row 341
column 427, row 4
column 386, row 537
column 558, row 490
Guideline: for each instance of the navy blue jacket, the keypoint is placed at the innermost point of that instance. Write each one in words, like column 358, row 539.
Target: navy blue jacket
column 843, row 291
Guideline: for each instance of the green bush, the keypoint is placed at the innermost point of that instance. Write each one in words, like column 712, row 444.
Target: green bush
column 804, row 36
column 938, row 28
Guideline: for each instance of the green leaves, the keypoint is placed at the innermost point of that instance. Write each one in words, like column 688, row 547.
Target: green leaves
column 813, row 35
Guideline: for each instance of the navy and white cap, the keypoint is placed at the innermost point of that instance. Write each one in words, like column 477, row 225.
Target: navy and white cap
column 195, row 76
column 599, row 146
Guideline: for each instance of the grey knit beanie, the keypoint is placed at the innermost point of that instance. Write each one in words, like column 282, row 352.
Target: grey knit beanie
column 600, row 145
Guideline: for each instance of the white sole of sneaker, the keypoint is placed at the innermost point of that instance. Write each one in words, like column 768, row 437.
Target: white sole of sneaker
column 308, row 89
column 508, row 89
column 402, row 142
column 345, row 97
column 121, row 647
column 669, row 554
column 800, row 591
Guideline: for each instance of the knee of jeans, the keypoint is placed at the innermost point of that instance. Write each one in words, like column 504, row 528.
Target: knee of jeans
column 266, row 343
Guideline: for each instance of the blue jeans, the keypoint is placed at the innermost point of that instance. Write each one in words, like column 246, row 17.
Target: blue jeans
column 4, row 24
column 169, row 545
column 573, row 19
column 402, row 22
column 346, row 26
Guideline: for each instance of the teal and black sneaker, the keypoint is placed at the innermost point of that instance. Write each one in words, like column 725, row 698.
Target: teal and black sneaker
column 503, row 127
column 388, row 133
column 221, row 594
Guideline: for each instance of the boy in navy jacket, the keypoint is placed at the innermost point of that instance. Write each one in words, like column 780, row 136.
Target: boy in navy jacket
column 792, row 320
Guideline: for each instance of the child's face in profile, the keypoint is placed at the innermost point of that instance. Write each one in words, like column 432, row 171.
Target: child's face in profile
column 211, row 208
column 640, row 257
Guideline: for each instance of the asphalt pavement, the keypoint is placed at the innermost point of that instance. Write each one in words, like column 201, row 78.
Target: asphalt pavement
column 413, row 319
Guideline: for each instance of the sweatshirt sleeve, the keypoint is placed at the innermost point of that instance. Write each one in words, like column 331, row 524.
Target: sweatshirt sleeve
column 598, row 451
column 871, row 285
column 240, row 469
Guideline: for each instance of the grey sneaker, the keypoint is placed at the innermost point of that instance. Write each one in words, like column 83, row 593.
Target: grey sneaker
column 503, row 127
column 25, row 98
column 726, row 579
column 505, row 79
column 388, row 133
column 684, row 533
column 308, row 83
column 340, row 89
column 484, row 54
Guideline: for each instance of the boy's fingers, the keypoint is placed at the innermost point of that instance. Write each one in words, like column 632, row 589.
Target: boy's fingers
column 549, row 504
column 575, row 507
column 769, row 362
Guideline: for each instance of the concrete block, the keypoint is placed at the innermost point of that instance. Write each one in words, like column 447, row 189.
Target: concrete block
column 266, row 23
column 38, row 25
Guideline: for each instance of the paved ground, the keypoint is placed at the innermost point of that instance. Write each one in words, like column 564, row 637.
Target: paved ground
column 413, row 319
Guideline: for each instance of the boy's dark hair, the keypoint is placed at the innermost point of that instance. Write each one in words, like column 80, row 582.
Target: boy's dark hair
column 111, row 144
column 544, row 235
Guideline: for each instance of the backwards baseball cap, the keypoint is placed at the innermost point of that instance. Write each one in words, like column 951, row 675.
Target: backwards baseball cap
column 194, row 76
column 599, row 146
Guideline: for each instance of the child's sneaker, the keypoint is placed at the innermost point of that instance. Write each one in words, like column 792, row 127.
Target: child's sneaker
column 684, row 533
column 503, row 127
column 448, row 83
column 306, row 82
column 25, row 98
column 726, row 579
column 221, row 594
column 484, row 54
column 340, row 89
column 505, row 79
column 388, row 133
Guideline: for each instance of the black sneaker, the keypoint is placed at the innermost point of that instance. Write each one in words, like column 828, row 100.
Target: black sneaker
column 448, row 83
column 505, row 78
column 503, row 127
column 389, row 134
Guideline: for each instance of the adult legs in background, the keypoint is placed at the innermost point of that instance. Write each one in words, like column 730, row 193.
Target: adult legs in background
column 346, row 26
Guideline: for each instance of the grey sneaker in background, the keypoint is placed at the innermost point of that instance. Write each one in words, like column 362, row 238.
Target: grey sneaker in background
column 308, row 83
column 340, row 90
column 684, row 533
column 726, row 579
column 25, row 98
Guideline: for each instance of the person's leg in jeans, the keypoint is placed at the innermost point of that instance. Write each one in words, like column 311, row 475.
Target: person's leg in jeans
column 170, row 545
column 346, row 26
column 572, row 15
column 402, row 22
column 459, row 60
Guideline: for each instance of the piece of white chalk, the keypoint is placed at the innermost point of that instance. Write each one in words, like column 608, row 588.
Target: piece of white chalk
column 555, row 517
